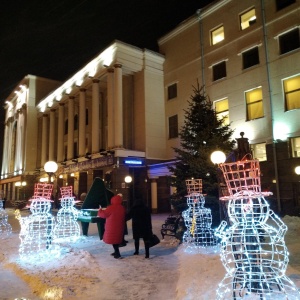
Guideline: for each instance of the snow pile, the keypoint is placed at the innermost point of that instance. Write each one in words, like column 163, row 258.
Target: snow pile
column 86, row 270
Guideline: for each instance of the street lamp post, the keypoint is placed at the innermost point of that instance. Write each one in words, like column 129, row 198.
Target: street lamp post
column 219, row 157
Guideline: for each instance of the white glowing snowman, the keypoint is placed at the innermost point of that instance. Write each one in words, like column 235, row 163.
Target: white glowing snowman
column 67, row 227
column 5, row 227
column 36, row 230
column 253, row 251
column 198, row 222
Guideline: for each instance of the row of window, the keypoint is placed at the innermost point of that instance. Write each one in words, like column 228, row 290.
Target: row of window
column 259, row 150
column 254, row 103
column 254, row 100
column 246, row 19
column 288, row 41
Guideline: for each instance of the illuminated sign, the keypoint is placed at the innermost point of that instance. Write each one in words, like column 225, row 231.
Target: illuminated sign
column 133, row 161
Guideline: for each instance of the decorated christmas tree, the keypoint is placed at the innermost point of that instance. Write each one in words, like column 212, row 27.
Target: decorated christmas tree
column 202, row 133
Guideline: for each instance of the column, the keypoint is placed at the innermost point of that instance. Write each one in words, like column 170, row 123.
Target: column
column 82, row 123
column 118, row 106
column 44, row 140
column 154, row 195
column 52, row 135
column 95, row 116
column 110, row 108
column 70, row 152
column 60, row 132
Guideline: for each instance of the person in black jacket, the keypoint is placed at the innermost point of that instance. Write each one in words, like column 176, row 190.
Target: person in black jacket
column 141, row 225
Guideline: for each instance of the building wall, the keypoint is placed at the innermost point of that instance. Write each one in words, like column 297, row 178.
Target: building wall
column 190, row 57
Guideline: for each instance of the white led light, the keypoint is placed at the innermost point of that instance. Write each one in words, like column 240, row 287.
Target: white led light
column 253, row 250
column 66, row 228
column 198, row 220
column 5, row 227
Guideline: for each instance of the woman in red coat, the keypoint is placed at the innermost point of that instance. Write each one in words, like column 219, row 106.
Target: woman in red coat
column 115, row 223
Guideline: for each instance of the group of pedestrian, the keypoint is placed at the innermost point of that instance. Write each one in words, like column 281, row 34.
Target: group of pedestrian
column 115, row 225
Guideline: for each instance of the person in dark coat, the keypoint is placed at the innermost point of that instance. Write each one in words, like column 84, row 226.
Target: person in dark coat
column 141, row 225
column 115, row 223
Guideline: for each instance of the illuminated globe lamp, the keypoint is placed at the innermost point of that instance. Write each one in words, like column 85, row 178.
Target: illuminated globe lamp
column 218, row 157
column 128, row 179
column 50, row 168
column 297, row 170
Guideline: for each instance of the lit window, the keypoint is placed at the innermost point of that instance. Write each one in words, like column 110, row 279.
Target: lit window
column 280, row 4
column 295, row 145
column 254, row 102
column 222, row 112
column 172, row 91
column 259, row 151
column 219, row 71
column 250, row 58
column 173, row 127
column 291, row 89
column 289, row 41
column 248, row 18
column 217, row 35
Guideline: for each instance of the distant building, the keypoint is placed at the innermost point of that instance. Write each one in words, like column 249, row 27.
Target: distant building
column 121, row 113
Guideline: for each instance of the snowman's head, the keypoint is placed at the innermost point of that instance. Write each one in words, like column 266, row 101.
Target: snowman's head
column 40, row 205
column 248, row 208
column 67, row 202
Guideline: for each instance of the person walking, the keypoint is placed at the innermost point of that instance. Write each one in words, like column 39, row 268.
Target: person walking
column 141, row 225
column 115, row 224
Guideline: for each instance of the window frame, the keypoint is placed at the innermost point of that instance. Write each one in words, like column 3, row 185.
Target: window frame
column 248, row 55
column 223, row 114
column 292, row 141
column 281, row 4
column 250, row 22
column 172, row 91
column 255, row 151
column 173, row 126
column 255, row 103
column 289, row 41
column 219, row 71
column 287, row 93
column 215, row 30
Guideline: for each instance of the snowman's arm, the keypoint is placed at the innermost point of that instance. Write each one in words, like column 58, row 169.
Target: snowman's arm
column 281, row 227
column 220, row 231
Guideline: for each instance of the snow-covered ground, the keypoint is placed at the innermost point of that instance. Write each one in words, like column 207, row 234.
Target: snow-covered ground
column 86, row 270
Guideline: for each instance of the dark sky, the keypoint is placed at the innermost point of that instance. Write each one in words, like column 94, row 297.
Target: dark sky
column 55, row 38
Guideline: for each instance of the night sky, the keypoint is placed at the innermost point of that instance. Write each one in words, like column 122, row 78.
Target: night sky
column 55, row 38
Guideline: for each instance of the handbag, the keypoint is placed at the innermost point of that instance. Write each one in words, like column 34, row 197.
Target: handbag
column 154, row 240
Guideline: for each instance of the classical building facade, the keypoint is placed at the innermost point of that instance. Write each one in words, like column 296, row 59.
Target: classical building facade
column 121, row 114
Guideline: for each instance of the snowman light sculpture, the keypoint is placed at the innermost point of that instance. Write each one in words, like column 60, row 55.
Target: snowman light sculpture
column 198, row 220
column 36, row 231
column 253, row 250
column 5, row 227
column 66, row 228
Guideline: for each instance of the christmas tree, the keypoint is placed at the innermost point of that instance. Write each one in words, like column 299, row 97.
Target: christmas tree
column 202, row 133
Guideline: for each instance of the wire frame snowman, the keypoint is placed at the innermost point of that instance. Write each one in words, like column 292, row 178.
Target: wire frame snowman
column 36, row 231
column 66, row 229
column 198, row 220
column 5, row 227
column 253, row 250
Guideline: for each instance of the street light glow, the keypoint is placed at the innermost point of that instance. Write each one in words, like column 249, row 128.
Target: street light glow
column 218, row 157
